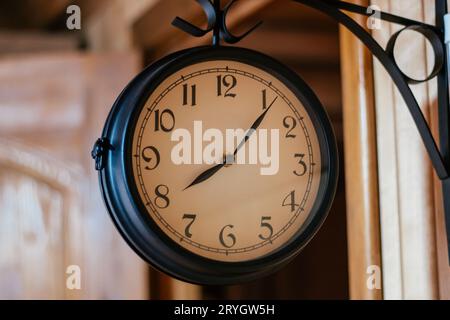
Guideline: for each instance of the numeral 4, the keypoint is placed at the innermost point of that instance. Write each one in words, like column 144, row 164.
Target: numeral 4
column 289, row 201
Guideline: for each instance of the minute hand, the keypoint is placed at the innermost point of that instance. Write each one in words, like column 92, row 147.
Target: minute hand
column 212, row 171
column 253, row 128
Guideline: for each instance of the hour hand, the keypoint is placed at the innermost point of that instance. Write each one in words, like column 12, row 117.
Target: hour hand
column 205, row 175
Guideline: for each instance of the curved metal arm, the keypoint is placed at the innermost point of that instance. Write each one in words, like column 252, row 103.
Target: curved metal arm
column 396, row 75
column 439, row 160
column 332, row 8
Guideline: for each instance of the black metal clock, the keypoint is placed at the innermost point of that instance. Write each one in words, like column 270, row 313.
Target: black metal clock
column 213, row 215
column 217, row 164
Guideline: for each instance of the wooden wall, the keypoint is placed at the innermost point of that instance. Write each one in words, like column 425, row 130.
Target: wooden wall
column 414, row 250
column 360, row 152
column 51, row 212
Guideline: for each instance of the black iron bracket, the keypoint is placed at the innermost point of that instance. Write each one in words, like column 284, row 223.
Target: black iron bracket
column 439, row 156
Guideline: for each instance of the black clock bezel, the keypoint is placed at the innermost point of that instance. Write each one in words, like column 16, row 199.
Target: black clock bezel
column 129, row 213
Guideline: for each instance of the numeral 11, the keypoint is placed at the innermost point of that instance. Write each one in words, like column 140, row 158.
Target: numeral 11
column 193, row 95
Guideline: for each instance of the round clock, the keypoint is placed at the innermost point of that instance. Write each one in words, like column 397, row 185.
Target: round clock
column 219, row 164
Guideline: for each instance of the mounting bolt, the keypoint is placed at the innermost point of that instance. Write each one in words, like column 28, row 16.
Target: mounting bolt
column 99, row 152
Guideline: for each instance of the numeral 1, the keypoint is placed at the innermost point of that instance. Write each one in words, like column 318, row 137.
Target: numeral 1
column 264, row 100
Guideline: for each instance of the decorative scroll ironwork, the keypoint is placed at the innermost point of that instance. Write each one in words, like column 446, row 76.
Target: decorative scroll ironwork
column 440, row 157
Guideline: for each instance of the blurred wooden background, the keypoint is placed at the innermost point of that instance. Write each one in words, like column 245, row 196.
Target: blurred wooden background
column 57, row 87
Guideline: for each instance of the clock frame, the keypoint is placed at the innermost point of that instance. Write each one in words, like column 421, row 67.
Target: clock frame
column 129, row 213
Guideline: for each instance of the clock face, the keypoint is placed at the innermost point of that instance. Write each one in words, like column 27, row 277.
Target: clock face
column 257, row 200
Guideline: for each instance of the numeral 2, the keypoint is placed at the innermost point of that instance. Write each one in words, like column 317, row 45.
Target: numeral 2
column 289, row 123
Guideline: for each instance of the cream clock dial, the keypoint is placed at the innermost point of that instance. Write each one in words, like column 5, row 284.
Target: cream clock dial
column 238, row 214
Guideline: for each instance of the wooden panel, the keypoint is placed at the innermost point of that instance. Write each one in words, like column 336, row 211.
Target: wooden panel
column 406, row 176
column 30, row 13
column 36, row 42
column 284, row 44
column 105, row 77
column 51, row 212
column 360, row 164
column 38, row 194
column 109, row 26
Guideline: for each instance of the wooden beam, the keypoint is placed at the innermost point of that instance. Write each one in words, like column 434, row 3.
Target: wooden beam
column 154, row 28
column 363, row 224
column 110, row 25
column 326, row 84
column 407, row 195
column 154, row 32
column 43, row 12
column 313, row 46
column 33, row 42
column 30, row 14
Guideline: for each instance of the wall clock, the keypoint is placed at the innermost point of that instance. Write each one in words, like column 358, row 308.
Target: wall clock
column 221, row 222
